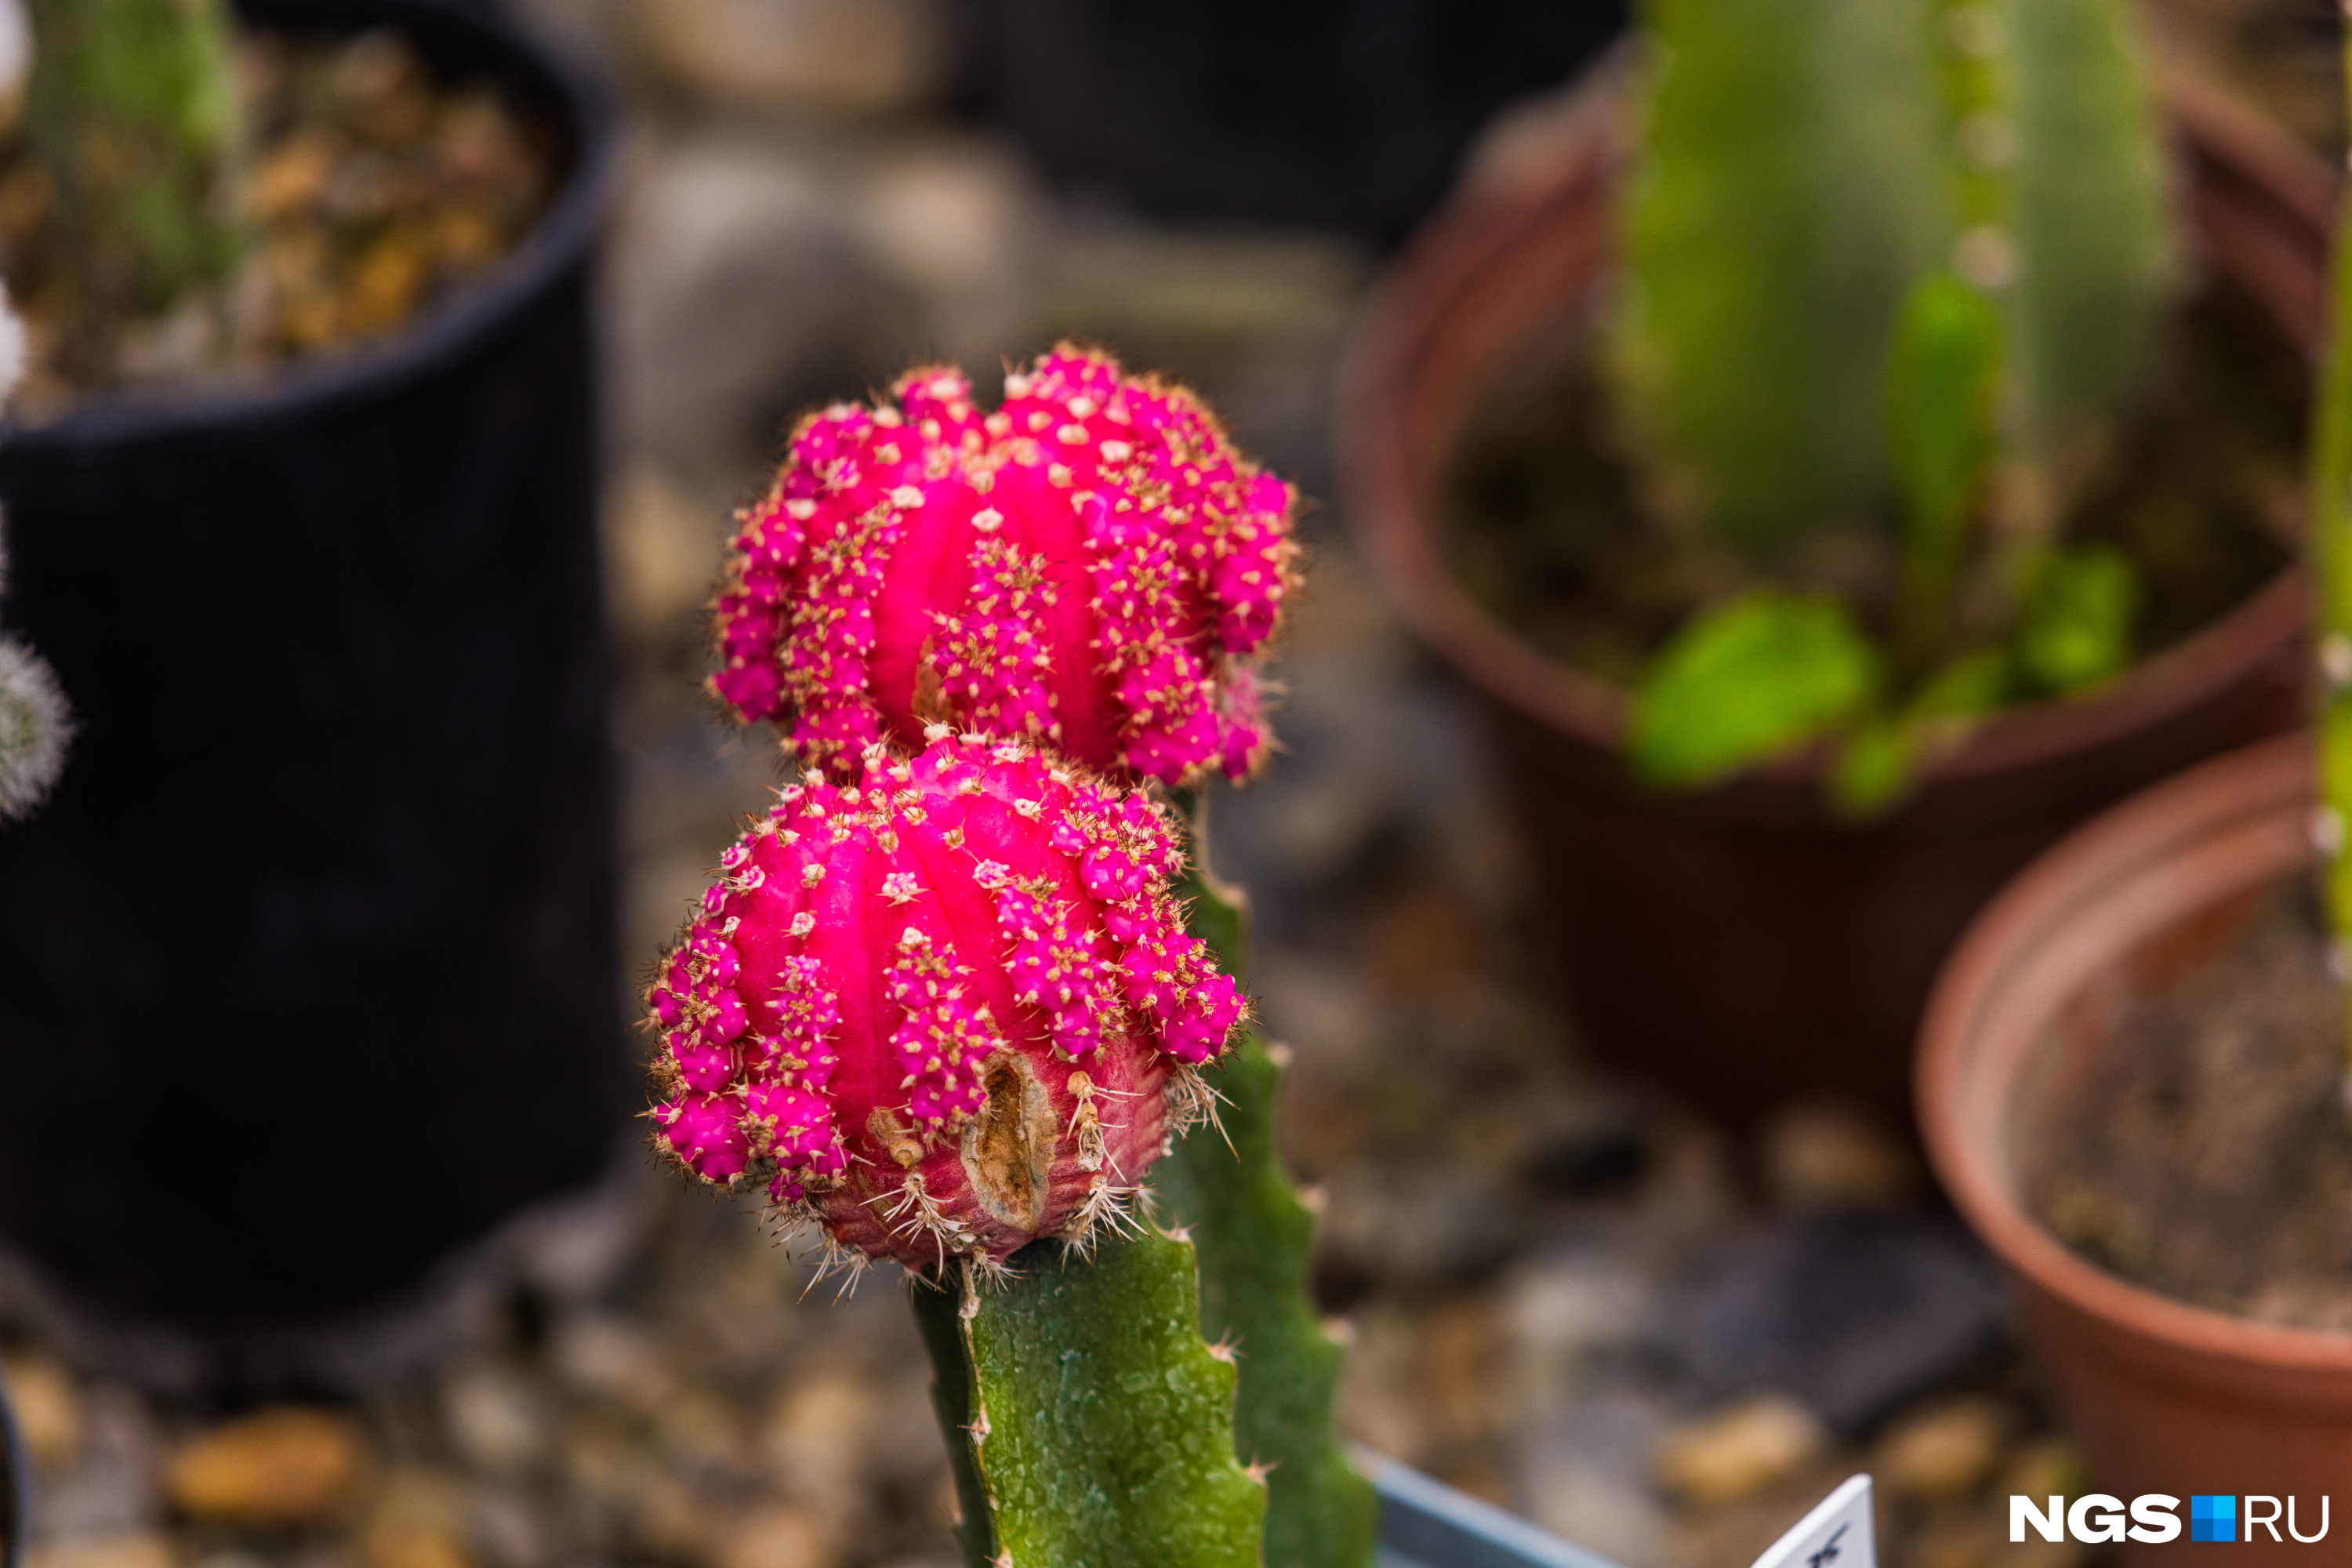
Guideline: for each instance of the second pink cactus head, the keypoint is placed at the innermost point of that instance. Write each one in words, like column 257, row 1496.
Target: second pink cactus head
column 943, row 1009
column 1091, row 567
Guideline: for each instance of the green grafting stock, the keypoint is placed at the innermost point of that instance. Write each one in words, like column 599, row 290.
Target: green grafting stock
column 1225, row 1186
column 2331, row 549
column 1088, row 1426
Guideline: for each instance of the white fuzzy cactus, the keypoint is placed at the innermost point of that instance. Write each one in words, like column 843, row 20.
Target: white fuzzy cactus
column 35, row 723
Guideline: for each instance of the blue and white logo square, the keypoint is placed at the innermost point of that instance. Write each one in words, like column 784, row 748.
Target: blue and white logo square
column 2213, row 1519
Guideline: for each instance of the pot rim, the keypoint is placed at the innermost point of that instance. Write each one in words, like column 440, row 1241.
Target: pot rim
column 1387, row 450
column 95, row 431
column 2223, row 829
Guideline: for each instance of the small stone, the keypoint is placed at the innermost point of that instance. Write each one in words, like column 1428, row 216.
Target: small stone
column 283, row 1467
column 2040, row 1468
column 413, row 1523
column 48, row 1409
column 1828, row 1156
column 112, row 1486
column 1943, row 1451
column 1850, row 1313
column 1738, row 1452
column 495, row 1419
column 831, row 56
column 1961, row 1544
column 815, row 1439
column 660, row 544
column 777, row 1536
column 124, row 1549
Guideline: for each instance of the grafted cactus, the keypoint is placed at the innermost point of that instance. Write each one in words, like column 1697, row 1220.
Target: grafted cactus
column 943, row 1001
column 133, row 111
column 1090, row 567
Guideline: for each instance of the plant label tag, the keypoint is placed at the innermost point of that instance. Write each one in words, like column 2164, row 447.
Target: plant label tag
column 1837, row 1534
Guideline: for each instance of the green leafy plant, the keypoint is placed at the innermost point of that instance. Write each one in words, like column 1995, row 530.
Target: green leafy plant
column 1889, row 265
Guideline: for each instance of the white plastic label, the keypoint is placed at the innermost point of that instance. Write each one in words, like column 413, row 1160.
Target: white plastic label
column 1837, row 1534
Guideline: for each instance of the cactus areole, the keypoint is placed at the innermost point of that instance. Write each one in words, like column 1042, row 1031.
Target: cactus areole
column 1092, row 568
column 944, row 1011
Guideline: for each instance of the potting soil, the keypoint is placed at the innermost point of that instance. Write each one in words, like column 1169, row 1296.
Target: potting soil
column 2209, row 1156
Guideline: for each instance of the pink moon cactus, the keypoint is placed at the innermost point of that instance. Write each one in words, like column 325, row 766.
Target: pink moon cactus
column 1091, row 567
column 946, row 1010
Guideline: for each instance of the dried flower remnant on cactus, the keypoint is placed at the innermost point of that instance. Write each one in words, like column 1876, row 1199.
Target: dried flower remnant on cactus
column 1093, row 566
column 944, row 1011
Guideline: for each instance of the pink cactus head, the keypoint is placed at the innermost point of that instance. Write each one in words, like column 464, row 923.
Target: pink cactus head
column 1090, row 567
column 945, row 1009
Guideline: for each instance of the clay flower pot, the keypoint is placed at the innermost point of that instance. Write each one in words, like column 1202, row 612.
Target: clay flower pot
column 1738, row 942
column 2164, row 1397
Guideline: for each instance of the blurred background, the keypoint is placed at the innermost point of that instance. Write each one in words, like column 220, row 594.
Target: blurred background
column 1564, row 1292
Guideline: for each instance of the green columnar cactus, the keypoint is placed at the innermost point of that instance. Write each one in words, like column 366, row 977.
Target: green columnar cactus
column 2331, row 514
column 1088, row 1426
column 1950, row 211
column 1783, row 200
column 2093, row 236
column 132, row 111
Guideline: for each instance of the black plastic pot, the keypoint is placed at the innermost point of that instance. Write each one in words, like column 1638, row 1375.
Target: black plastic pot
column 1349, row 113
column 306, row 970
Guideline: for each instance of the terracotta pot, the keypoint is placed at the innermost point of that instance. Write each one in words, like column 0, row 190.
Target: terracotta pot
column 2164, row 1397
column 1738, row 943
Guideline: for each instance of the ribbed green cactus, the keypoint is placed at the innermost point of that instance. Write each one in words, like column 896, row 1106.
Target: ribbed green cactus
column 1088, row 1426
column 1785, row 196
column 1950, row 212
column 1225, row 1186
column 2331, row 549
column 132, row 111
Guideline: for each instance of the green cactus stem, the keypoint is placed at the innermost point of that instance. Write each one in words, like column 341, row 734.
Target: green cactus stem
column 1224, row 1184
column 1088, row 1425
column 132, row 112
column 2095, row 255
column 1785, row 196
column 2331, row 549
